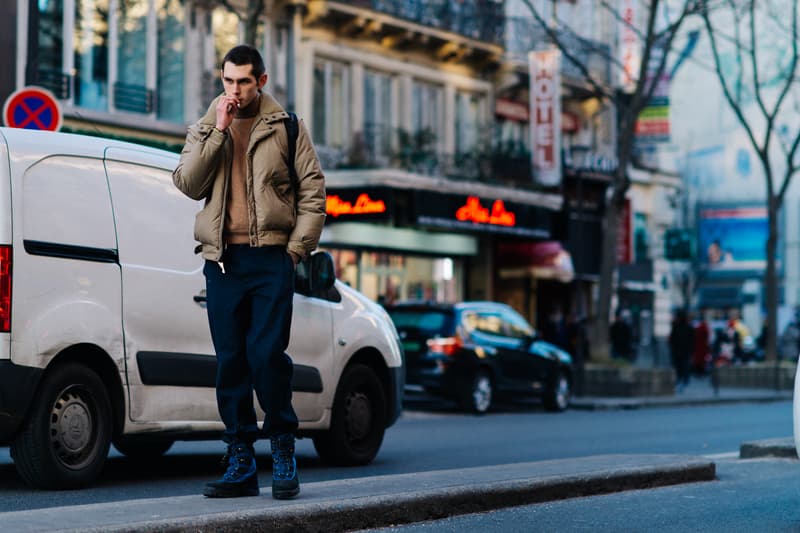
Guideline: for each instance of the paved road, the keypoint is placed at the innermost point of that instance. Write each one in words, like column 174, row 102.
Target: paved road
column 443, row 439
column 754, row 495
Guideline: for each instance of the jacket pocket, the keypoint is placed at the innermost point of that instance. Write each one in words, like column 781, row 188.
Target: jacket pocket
column 274, row 210
column 207, row 225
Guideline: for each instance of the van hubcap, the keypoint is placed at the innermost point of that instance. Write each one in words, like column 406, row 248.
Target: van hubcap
column 71, row 427
column 359, row 415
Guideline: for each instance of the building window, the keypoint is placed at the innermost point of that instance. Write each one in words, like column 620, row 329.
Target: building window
column 387, row 277
column 91, row 54
column 171, row 42
column 469, row 110
column 331, row 94
column 51, row 46
column 132, row 50
column 427, row 101
column 379, row 117
column 641, row 244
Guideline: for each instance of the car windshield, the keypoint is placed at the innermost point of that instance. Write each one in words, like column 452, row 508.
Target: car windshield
column 428, row 321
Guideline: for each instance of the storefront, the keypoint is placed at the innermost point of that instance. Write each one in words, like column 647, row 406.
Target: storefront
column 395, row 243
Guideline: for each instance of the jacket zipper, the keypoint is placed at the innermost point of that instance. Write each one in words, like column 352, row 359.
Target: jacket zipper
column 225, row 185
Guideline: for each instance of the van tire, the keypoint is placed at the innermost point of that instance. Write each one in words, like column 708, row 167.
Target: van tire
column 358, row 420
column 64, row 442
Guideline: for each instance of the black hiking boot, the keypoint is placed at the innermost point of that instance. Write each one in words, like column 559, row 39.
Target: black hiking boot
column 285, row 484
column 241, row 478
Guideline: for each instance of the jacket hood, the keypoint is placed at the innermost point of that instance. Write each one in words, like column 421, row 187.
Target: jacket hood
column 269, row 110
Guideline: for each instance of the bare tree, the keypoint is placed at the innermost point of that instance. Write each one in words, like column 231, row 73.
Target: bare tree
column 759, row 91
column 253, row 11
column 656, row 40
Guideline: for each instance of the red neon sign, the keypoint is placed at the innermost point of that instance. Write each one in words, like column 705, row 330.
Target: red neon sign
column 473, row 211
column 364, row 205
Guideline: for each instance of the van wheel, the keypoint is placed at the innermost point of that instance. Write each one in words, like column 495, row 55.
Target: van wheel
column 557, row 397
column 479, row 396
column 64, row 443
column 358, row 420
column 142, row 450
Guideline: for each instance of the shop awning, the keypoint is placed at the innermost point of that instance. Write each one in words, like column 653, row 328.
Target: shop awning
column 542, row 260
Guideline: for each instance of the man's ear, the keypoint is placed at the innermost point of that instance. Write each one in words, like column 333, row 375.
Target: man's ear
column 262, row 80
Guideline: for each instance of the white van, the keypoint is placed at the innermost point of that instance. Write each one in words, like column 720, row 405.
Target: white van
column 103, row 329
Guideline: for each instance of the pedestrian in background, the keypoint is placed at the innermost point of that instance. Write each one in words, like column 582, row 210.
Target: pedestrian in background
column 257, row 223
column 701, row 355
column 621, row 334
column 681, row 344
column 578, row 341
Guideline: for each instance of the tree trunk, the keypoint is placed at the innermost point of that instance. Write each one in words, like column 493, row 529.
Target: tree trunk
column 252, row 17
column 773, row 210
column 608, row 265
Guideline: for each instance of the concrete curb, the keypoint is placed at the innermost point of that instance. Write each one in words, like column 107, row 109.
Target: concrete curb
column 768, row 448
column 380, row 501
column 609, row 404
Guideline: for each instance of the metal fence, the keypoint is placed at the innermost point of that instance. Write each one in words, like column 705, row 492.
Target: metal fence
column 525, row 34
column 482, row 20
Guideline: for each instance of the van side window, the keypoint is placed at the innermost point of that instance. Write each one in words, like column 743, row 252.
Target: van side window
column 62, row 197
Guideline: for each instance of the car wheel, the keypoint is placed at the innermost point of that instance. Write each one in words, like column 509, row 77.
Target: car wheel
column 64, row 443
column 142, row 450
column 479, row 397
column 358, row 420
column 558, row 394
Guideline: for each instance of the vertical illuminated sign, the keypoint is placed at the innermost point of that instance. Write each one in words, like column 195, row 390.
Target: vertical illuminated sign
column 545, row 101
column 628, row 46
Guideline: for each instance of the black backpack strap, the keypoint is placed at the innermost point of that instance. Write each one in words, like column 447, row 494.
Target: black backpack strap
column 292, row 131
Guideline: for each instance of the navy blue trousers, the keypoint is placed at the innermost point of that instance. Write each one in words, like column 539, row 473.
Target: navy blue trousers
column 250, row 314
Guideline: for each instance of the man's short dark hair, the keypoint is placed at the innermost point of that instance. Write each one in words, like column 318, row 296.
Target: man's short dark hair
column 244, row 54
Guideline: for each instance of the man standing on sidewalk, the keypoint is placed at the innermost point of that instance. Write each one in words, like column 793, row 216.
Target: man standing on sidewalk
column 259, row 220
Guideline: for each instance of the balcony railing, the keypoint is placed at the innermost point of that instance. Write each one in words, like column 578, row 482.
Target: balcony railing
column 525, row 34
column 134, row 98
column 482, row 20
column 418, row 153
column 56, row 82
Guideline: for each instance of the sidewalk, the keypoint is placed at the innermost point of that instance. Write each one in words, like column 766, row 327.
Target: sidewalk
column 698, row 392
column 373, row 502
column 346, row 505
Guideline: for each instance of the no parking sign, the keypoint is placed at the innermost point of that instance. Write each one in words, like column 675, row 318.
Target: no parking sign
column 32, row 108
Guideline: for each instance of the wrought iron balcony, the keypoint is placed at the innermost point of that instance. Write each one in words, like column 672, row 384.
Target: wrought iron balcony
column 417, row 152
column 482, row 20
column 525, row 34
column 134, row 98
column 56, row 82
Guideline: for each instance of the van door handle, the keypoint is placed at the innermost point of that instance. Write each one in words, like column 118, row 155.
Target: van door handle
column 200, row 298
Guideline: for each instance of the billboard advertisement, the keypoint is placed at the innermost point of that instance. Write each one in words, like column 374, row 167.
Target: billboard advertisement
column 733, row 238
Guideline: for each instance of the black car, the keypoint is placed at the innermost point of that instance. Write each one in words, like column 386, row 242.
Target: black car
column 471, row 351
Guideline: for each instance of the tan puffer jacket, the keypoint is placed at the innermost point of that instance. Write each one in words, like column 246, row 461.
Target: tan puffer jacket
column 276, row 216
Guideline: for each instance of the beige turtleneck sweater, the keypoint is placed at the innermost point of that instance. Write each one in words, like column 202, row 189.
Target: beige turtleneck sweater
column 237, row 221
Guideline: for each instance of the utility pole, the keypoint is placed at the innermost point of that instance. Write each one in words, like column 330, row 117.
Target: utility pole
column 32, row 64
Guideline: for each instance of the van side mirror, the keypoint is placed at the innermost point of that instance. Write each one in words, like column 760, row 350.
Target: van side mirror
column 315, row 274
column 323, row 273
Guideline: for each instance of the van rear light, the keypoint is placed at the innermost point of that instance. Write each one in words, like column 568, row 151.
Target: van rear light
column 445, row 345
column 5, row 289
